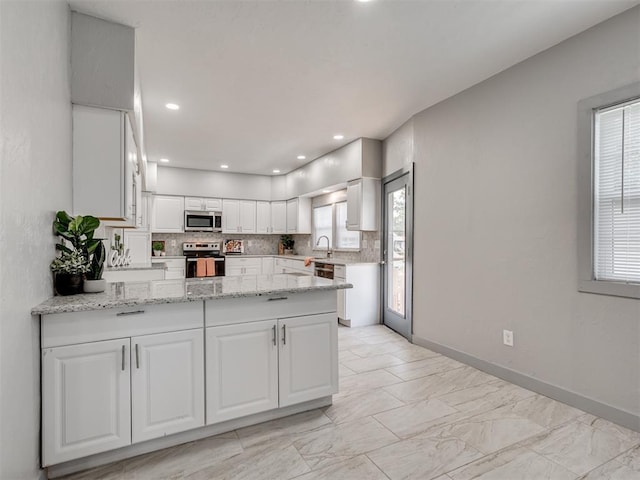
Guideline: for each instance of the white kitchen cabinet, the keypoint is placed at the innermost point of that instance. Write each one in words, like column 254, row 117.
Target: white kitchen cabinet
column 279, row 217
column 263, row 217
column 360, row 305
column 299, row 215
column 174, row 267
column 144, row 212
column 292, row 265
column 363, row 204
column 167, row 383
column 139, row 246
column 203, row 204
column 239, row 216
column 112, row 275
column 104, row 158
column 85, row 399
column 167, row 214
column 235, row 266
column 308, row 358
column 242, row 370
column 268, row 265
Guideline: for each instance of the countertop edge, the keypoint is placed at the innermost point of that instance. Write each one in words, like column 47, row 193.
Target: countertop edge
column 87, row 307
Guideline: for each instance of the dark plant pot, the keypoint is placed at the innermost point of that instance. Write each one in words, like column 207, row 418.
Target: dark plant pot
column 68, row 284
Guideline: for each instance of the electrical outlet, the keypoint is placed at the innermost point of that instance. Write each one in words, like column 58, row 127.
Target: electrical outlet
column 364, row 244
column 250, row 243
column 376, row 244
column 173, row 243
column 507, row 338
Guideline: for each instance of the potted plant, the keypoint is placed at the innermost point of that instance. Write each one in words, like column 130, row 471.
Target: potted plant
column 287, row 243
column 94, row 282
column 75, row 258
column 157, row 247
column 69, row 269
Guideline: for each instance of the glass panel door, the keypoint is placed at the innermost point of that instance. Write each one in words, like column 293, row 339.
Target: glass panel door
column 397, row 261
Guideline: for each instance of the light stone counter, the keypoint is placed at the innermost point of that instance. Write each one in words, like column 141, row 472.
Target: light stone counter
column 333, row 261
column 126, row 294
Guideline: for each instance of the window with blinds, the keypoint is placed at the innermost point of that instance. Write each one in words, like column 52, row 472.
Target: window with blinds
column 616, row 196
column 323, row 224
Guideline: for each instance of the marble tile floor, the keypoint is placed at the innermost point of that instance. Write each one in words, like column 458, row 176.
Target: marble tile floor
column 404, row 412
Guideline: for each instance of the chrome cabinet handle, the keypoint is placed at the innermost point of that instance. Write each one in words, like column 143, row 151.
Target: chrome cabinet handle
column 123, row 358
column 284, row 334
column 274, row 335
column 275, row 299
column 124, row 314
column 137, row 357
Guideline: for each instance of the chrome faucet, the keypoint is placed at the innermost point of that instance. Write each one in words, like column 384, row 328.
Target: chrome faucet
column 328, row 243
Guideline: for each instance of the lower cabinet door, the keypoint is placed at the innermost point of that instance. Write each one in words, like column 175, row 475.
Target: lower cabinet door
column 85, row 400
column 308, row 358
column 167, row 383
column 242, row 370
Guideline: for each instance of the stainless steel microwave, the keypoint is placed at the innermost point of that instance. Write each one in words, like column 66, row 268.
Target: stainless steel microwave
column 202, row 221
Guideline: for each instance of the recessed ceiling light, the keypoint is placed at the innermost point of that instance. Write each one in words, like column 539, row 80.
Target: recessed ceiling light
column 276, row 171
column 338, row 137
column 172, row 106
column 326, row 191
column 363, row 1
column 224, row 166
column 164, row 160
column 301, row 157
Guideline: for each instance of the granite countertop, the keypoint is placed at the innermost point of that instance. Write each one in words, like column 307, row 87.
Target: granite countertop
column 167, row 257
column 137, row 266
column 127, row 294
column 334, row 261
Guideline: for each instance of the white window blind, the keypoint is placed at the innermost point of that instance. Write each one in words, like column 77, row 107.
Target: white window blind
column 345, row 238
column 617, row 193
column 323, row 224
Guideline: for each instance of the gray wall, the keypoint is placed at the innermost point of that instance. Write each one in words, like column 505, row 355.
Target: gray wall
column 495, row 222
column 35, row 180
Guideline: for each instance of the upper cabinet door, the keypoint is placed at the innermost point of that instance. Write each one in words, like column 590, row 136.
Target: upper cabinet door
column 299, row 215
column 99, row 163
column 263, row 217
column 230, row 216
column 193, row 203
column 167, row 382
column 279, row 217
column 168, row 214
column 363, row 204
column 247, row 216
column 85, row 400
column 213, row 204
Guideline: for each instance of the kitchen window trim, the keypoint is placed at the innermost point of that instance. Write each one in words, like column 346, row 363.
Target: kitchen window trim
column 586, row 194
column 334, row 238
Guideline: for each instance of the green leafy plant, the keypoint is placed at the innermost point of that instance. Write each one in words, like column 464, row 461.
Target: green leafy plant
column 78, row 242
column 157, row 245
column 78, row 231
column 96, row 266
column 287, row 241
column 72, row 263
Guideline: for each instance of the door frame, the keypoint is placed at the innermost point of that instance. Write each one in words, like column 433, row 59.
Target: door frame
column 409, row 218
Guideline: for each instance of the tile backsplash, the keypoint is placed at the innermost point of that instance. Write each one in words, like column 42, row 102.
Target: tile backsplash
column 268, row 244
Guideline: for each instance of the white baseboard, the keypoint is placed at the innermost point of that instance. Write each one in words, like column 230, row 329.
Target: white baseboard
column 608, row 412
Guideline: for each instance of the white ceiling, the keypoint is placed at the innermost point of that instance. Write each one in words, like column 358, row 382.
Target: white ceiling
column 260, row 82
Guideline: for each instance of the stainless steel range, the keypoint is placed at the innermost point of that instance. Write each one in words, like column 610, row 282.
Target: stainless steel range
column 203, row 259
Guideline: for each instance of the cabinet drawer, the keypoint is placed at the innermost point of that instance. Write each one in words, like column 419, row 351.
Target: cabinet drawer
column 239, row 310
column 244, row 262
column 79, row 327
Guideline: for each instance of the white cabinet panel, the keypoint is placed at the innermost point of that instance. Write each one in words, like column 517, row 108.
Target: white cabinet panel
column 139, row 245
column 360, row 305
column 268, row 265
column 167, row 378
column 263, row 217
column 239, row 216
column 243, row 266
column 363, row 204
column 168, row 214
column 203, row 204
column 85, row 399
column 278, row 217
column 308, row 358
column 242, row 370
column 299, row 215
column 103, row 147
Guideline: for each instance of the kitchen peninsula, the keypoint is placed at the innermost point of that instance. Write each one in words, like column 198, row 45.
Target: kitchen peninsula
column 146, row 365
